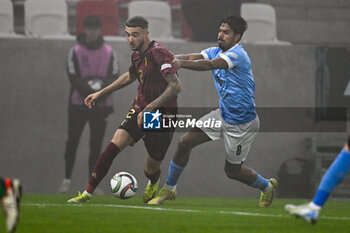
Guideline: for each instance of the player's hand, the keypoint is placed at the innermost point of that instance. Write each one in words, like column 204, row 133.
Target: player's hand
column 148, row 108
column 177, row 63
column 91, row 99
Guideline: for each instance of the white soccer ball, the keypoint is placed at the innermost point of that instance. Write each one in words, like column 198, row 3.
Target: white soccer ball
column 123, row 185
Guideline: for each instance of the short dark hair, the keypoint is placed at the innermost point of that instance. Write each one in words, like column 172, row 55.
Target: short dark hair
column 92, row 21
column 137, row 21
column 237, row 24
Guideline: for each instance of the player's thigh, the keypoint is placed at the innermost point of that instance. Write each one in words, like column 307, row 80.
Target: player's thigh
column 214, row 133
column 238, row 140
column 193, row 138
column 129, row 124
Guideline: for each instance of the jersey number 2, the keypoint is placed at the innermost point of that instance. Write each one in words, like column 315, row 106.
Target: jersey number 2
column 141, row 76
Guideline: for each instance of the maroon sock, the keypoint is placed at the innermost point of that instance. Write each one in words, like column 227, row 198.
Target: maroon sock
column 102, row 166
column 153, row 177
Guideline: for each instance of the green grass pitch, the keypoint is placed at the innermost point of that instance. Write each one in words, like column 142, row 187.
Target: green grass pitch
column 45, row 213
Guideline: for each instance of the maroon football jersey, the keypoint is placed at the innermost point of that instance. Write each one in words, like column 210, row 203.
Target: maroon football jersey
column 151, row 68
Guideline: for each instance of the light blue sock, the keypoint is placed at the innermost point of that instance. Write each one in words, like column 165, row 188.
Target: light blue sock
column 174, row 173
column 260, row 182
column 334, row 176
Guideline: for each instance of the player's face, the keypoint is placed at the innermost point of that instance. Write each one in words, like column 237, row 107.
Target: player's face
column 136, row 37
column 92, row 34
column 226, row 37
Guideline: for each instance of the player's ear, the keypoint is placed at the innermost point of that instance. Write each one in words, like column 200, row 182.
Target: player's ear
column 146, row 32
column 237, row 38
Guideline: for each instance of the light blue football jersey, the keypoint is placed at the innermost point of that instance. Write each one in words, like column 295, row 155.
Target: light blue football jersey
column 235, row 86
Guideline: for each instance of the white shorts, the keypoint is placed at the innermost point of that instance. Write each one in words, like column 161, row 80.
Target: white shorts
column 237, row 138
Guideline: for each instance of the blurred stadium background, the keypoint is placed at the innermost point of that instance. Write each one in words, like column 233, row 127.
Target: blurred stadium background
column 302, row 64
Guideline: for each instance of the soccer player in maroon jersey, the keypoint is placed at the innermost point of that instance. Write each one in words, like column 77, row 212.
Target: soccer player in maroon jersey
column 158, row 87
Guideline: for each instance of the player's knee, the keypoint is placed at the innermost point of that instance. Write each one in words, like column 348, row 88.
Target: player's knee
column 184, row 144
column 232, row 173
column 122, row 139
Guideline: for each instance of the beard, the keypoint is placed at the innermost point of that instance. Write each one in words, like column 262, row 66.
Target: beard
column 138, row 47
column 221, row 45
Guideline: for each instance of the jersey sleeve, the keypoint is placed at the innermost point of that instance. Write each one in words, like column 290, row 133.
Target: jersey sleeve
column 164, row 59
column 232, row 58
column 208, row 53
column 114, row 64
column 72, row 64
column 113, row 70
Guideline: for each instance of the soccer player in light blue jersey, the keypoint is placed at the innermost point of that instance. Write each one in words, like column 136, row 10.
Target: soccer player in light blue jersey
column 234, row 82
column 335, row 174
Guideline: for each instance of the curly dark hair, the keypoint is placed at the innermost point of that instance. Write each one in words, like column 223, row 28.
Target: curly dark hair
column 237, row 24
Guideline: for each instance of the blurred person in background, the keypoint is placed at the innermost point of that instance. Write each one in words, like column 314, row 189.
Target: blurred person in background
column 92, row 65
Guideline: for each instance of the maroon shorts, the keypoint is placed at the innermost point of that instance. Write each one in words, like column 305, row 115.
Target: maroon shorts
column 156, row 142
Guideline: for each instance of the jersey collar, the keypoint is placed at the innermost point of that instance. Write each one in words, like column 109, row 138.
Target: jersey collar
column 149, row 46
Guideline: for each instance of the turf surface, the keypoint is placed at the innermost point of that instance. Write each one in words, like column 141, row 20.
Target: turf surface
column 42, row 213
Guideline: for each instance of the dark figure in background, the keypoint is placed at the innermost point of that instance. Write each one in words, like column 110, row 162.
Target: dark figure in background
column 203, row 16
column 92, row 65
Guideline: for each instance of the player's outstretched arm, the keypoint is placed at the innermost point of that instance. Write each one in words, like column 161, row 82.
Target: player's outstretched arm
column 123, row 81
column 173, row 88
column 119, row 83
column 190, row 56
column 201, row 64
